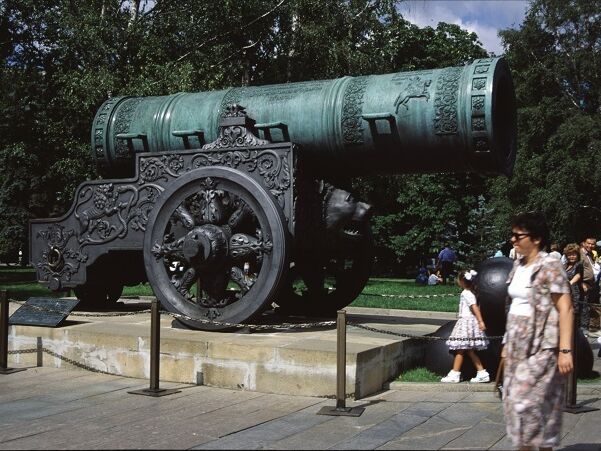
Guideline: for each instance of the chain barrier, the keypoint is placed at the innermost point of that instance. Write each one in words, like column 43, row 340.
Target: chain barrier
column 22, row 351
column 282, row 326
column 64, row 359
column 419, row 337
column 413, row 296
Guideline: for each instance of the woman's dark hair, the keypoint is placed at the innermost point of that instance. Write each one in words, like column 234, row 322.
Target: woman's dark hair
column 535, row 224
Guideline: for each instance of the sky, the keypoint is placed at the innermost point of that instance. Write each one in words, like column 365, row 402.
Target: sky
column 484, row 17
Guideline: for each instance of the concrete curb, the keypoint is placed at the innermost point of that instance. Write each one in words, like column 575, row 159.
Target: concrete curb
column 440, row 387
column 583, row 389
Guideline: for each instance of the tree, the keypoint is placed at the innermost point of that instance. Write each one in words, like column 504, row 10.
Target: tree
column 555, row 58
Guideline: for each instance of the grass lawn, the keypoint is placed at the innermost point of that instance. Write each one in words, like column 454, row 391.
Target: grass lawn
column 21, row 284
column 401, row 289
column 419, row 374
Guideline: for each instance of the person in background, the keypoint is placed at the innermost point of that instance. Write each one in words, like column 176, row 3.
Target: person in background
column 435, row 278
column 589, row 321
column 468, row 333
column 422, row 276
column 446, row 260
column 555, row 251
column 574, row 271
column 538, row 338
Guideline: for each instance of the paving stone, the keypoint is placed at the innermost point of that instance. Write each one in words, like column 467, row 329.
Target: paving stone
column 260, row 436
column 434, row 433
column 481, row 436
column 383, row 432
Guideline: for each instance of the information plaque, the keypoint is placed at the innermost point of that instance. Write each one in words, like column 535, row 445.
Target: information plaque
column 47, row 312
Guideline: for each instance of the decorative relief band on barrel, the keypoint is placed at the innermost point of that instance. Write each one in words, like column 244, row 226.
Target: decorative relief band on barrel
column 122, row 123
column 352, row 107
column 445, row 102
column 478, row 104
column 100, row 124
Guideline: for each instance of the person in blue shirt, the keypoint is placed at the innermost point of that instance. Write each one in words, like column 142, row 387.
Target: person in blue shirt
column 422, row 277
column 446, row 261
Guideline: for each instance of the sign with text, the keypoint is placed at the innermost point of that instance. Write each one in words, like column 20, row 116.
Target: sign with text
column 46, row 312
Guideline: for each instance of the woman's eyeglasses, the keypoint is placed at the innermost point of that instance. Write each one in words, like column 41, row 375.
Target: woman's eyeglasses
column 518, row 236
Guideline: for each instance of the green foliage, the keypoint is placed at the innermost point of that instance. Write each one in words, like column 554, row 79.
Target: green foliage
column 555, row 61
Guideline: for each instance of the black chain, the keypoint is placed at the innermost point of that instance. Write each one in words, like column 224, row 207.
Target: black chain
column 22, row 351
column 283, row 326
column 78, row 364
column 422, row 337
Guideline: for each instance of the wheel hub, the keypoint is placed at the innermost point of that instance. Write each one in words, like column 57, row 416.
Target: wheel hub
column 206, row 245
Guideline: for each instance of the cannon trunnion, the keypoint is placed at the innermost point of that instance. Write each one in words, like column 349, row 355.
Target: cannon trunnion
column 223, row 230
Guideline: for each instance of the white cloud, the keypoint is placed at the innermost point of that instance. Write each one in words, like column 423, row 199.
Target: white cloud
column 485, row 18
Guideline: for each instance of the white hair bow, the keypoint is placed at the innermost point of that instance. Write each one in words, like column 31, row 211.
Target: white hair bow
column 469, row 275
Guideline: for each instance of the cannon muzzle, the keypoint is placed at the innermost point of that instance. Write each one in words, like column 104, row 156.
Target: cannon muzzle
column 456, row 119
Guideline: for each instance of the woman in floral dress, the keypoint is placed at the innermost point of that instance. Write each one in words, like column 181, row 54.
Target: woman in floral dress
column 538, row 338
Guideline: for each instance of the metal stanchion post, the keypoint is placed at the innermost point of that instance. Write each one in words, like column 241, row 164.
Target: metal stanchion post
column 40, row 352
column 4, row 369
column 155, row 354
column 341, row 409
column 572, row 381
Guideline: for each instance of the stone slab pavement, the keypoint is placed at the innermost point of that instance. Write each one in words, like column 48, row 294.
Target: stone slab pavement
column 50, row 408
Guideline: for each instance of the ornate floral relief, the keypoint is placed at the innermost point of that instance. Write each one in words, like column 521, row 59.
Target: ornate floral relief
column 478, row 124
column 478, row 84
column 122, row 122
column 160, row 168
column 445, row 102
column 481, row 69
column 106, row 211
column 235, row 136
column 57, row 261
column 478, row 104
column 481, row 144
column 271, row 166
column 352, row 107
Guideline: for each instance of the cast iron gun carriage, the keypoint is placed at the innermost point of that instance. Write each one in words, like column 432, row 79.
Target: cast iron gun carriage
column 224, row 209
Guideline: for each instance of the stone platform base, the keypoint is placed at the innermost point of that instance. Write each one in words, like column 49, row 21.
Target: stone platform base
column 295, row 362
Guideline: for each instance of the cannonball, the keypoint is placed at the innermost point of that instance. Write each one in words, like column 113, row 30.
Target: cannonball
column 491, row 291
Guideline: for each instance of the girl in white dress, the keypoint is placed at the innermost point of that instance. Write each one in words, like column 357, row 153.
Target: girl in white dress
column 468, row 334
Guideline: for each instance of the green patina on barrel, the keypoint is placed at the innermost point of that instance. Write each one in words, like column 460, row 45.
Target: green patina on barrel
column 456, row 119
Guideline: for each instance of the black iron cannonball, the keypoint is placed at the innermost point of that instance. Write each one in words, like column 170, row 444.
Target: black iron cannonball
column 491, row 290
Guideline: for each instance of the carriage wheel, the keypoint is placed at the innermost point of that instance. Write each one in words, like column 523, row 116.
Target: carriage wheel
column 322, row 284
column 216, row 248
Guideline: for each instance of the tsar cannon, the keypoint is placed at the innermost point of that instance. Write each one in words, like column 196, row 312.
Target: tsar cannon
column 223, row 201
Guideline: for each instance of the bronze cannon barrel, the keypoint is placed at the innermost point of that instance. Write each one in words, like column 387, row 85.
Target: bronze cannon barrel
column 456, row 119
